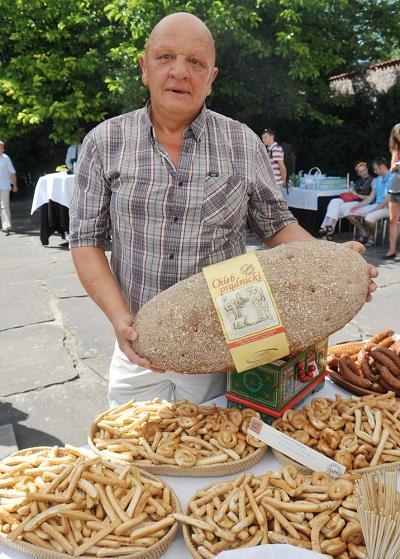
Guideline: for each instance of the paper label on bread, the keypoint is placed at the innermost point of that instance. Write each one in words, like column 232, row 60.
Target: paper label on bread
column 247, row 311
column 294, row 449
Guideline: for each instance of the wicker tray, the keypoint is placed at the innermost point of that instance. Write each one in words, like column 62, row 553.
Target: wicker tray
column 210, row 470
column 283, row 459
column 153, row 552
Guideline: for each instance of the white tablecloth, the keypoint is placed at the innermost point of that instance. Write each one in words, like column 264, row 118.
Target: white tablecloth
column 186, row 487
column 307, row 199
column 54, row 186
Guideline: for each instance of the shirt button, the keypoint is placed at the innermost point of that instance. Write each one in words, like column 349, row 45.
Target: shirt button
column 171, row 256
column 180, row 183
column 175, row 219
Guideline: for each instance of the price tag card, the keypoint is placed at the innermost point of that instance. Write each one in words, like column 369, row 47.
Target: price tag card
column 294, row 449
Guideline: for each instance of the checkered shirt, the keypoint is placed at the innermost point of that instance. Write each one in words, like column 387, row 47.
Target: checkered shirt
column 168, row 223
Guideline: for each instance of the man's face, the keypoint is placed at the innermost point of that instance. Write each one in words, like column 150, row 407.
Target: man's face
column 380, row 170
column 267, row 139
column 178, row 68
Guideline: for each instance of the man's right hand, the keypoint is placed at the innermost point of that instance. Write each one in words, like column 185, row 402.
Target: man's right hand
column 125, row 334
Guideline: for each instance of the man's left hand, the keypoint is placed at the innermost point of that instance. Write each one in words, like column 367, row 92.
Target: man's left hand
column 373, row 272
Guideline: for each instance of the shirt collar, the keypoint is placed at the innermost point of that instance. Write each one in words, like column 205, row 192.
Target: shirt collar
column 196, row 127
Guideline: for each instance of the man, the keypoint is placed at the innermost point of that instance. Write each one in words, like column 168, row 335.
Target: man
column 177, row 183
column 375, row 206
column 8, row 177
column 275, row 154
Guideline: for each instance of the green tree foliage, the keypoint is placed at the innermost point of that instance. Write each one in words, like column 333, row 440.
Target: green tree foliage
column 67, row 64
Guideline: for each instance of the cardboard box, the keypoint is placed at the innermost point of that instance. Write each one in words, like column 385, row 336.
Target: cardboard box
column 269, row 415
column 276, row 384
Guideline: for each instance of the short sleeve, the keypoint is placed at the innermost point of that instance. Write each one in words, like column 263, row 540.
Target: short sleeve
column 90, row 208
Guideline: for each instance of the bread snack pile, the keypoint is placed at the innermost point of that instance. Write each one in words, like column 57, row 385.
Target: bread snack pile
column 61, row 500
column 358, row 432
column 372, row 365
column 181, row 436
column 310, row 511
column 318, row 287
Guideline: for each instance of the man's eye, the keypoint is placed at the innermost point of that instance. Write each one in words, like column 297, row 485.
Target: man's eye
column 166, row 57
column 195, row 62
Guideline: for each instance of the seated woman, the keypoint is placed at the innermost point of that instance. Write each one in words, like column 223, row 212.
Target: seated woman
column 339, row 207
column 375, row 206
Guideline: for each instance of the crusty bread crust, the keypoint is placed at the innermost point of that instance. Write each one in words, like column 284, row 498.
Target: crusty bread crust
column 318, row 287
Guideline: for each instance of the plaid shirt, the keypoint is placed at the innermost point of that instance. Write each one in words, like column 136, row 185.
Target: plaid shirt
column 169, row 223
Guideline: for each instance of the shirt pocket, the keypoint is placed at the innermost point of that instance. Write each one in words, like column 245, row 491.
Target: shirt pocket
column 224, row 201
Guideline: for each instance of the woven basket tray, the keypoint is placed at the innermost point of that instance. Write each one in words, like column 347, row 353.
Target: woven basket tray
column 153, row 552
column 389, row 467
column 209, row 470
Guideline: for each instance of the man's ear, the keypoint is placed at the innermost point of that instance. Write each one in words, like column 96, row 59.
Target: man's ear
column 142, row 62
column 214, row 74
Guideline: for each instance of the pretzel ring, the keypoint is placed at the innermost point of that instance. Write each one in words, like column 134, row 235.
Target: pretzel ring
column 187, row 409
column 252, row 441
column 336, row 422
column 298, row 420
column 339, row 489
column 301, row 436
column 314, row 434
column 316, row 423
column 185, row 458
column 186, row 422
column 360, row 462
column 235, row 416
column 331, row 437
column 323, row 447
column 248, row 413
column 227, row 425
column 345, row 458
column 167, row 448
column 227, row 439
column 320, row 478
column 321, row 408
column 349, row 442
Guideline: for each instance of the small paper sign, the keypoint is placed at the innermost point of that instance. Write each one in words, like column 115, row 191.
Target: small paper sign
column 294, row 449
column 247, row 311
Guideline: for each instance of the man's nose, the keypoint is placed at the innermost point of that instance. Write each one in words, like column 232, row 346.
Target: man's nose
column 179, row 69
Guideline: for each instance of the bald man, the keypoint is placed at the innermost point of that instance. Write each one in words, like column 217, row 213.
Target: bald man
column 175, row 183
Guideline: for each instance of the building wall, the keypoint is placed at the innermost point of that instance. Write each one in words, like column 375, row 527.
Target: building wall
column 377, row 79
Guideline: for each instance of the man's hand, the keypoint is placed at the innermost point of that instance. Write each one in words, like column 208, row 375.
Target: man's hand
column 373, row 272
column 125, row 334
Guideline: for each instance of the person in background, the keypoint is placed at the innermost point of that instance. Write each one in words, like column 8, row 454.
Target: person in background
column 276, row 157
column 8, row 181
column 394, row 199
column 375, row 206
column 71, row 157
column 176, row 200
column 340, row 207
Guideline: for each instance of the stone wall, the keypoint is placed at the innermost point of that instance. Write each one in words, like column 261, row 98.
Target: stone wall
column 378, row 78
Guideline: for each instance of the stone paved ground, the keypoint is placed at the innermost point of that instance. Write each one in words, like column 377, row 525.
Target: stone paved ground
column 55, row 345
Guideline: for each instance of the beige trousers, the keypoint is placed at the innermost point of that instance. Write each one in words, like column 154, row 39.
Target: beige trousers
column 5, row 214
column 128, row 381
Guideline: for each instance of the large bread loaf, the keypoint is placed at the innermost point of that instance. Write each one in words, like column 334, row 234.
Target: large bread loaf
column 318, row 287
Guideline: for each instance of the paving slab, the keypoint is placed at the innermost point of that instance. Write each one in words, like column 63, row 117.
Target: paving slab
column 26, row 303
column 94, row 335
column 8, row 443
column 33, row 357
column 59, row 414
column 65, row 285
column 100, row 365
